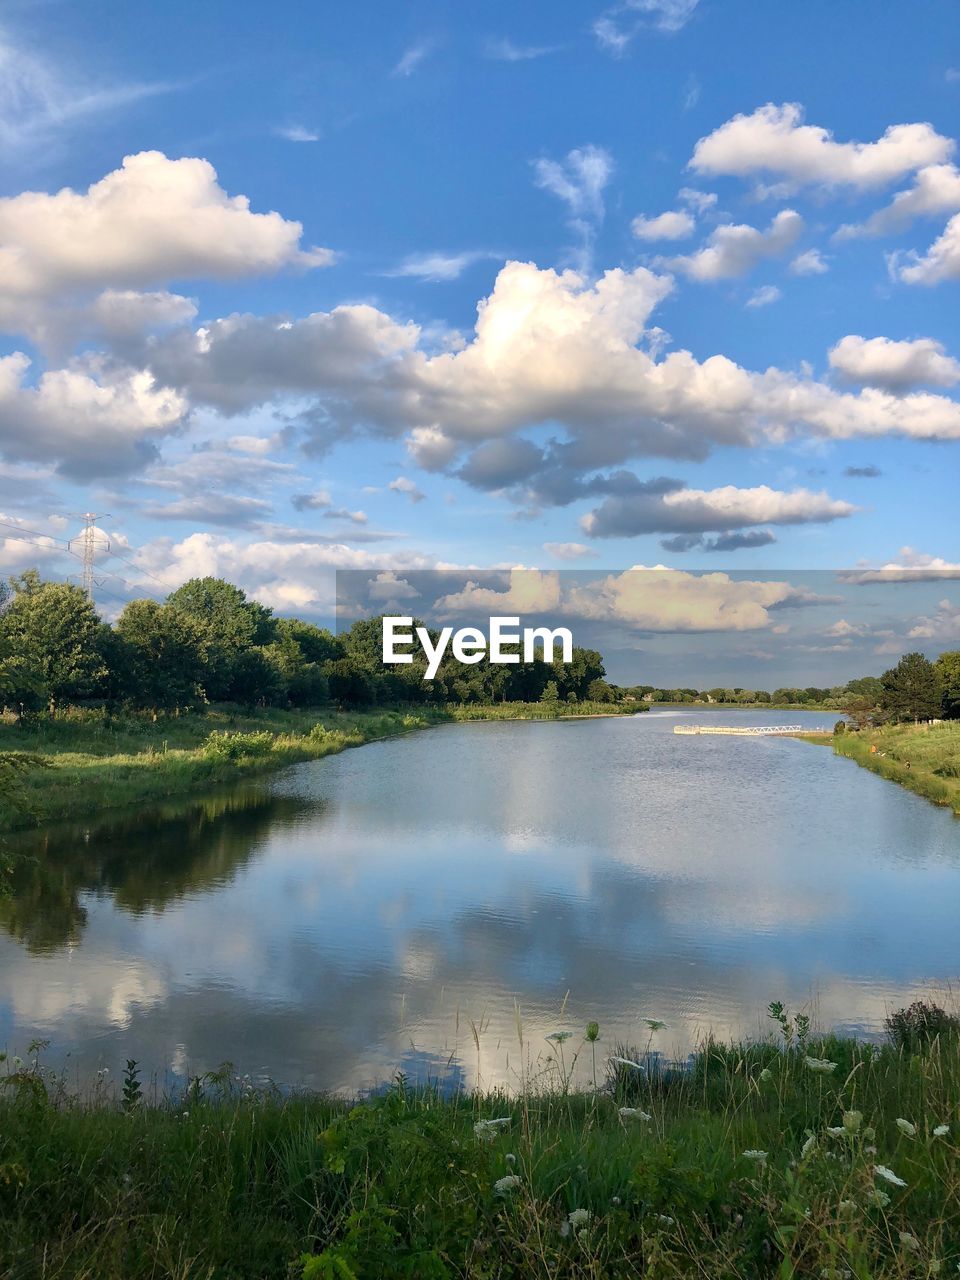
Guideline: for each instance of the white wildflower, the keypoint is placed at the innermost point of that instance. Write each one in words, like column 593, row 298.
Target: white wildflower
column 486, row 1130
column 510, row 1158
column 766, row 1074
column 822, row 1065
column 852, row 1121
column 579, row 1218
column 503, row 1185
column 759, row 1156
column 908, row 1241
column 941, row 1131
column 808, row 1147
column 906, row 1127
column 633, row 1113
column 847, row 1206
column 879, row 1197
column 881, row 1171
column 558, row 1037
column 870, row 1151
column 614, row 1199
column 628, row 1062
column 17, row 1062
column 836, row 1130
column 665, row 1220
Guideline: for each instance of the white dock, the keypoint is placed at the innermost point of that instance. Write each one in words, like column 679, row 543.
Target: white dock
column 741, row 731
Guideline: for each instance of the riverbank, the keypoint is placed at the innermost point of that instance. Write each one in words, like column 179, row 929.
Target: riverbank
column 924, row 758
column 824, row 1158
column 95, row 762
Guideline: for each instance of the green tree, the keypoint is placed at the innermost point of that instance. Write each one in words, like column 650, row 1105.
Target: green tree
column 911, row 690
column 550, row 692
column 55, row 642
column 948, row 672
column 231, row 625
column 165, row 655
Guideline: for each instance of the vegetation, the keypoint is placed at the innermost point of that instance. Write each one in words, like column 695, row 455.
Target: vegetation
column 805, row 1158
column 925, row 757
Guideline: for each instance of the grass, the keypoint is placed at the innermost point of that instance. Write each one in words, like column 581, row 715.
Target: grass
column 748, row 1163
column 96, row 761
column 925, row 758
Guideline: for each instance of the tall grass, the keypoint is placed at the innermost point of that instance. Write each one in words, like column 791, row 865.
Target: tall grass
column 809, row 1157
column 925, row 758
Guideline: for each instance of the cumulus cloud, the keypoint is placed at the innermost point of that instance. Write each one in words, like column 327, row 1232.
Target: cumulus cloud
column 90, row 420
column 936, row 190
column 673, row 225
column 774, row 139
column 152, row 220
column 569, row 551
column 734, row 249
column 940, row 262
column 311, row 501
column 232, row 510
column 764, row 296
column 895, row 366
column 667, row 506
column 809, row 263
column 404, row 485
column 910, row 566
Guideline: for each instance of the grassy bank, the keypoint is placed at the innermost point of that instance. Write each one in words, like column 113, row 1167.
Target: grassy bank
column 96, row 762
column 757, row 1161
column 924, row 758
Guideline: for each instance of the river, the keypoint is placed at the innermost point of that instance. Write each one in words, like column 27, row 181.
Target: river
column 440, row 903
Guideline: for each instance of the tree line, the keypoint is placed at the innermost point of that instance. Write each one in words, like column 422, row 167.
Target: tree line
column 208, row 642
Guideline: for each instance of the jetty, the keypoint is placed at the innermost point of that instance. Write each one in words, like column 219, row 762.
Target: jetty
column 741, row 731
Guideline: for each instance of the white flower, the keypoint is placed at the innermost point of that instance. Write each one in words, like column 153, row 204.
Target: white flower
column 628, row 1062
column 881, row 1171
column 941, row 1131
column 759, row 1156
column 579, row 1218
column 823, row 1065
column 879, row 1197
column 809, row 1146
column 503, row 1185
column 665, row 1220
column 908, row 1241
column 906, row 1127
column 510, row 1158
column 486, row 1130
column 614, row 1199
column 17, row 1062
column 766, row 1074
column 836, row 1130
column 558, row 1037
column 633, row 1113
column 852, row 1121
column 847, row 1206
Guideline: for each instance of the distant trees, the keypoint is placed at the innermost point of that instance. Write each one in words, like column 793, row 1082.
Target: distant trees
column 948, row 672
column 911, row 690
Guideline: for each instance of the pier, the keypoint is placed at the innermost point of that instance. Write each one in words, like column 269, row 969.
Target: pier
column 741, row 731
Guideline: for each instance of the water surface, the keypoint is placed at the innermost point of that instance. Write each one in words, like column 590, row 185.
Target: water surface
column 375, row 910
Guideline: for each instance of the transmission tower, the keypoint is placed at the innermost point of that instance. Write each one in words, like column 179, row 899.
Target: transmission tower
column 86, row 546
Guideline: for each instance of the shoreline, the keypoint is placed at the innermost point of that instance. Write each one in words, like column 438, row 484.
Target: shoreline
column 228, row 747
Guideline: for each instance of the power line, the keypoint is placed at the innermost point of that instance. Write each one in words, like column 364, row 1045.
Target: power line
column 89, row 546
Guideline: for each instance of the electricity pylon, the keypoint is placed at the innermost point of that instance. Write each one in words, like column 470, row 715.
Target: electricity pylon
column 89, row 546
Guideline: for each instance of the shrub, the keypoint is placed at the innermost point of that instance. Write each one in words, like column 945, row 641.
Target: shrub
column 236, row 746
column 920, row 1023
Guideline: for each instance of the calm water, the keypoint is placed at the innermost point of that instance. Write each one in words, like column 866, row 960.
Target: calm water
column 353, row 916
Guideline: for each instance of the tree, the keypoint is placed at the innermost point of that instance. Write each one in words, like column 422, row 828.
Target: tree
column 550, row 692
column 165, row 655
column 55, row 642
column 948, row 672
column 911, row 690
column 231, row 625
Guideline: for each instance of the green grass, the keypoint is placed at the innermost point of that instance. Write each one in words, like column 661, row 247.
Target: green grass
column 97, row 761
column 231, row 1183
column 925, row 758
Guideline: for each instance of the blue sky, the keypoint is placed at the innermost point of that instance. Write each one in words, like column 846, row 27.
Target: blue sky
column 766, row 378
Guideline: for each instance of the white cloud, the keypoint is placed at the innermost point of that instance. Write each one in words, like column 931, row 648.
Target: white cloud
column 579, row 181
column 618, row 26
column 809, row 263
column 699, row 201
column 669, row 507
column 936, row 190
column 150, row 221
column 297, row 133
column 896, row 366
column 775, row 140
column 315, row 501
column 673, row 225
column 941, row 261
column 506, row 51
column 569, row 550
column 406, row 486
column 911, row 566
column 438, row 266
column 430, row 448
column 412, row 58
column 764, row 296
column 734, row 249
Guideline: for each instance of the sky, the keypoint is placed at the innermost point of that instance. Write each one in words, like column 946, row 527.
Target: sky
column 433, row 287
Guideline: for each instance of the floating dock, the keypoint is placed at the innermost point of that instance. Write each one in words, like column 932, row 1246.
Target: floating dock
column 741, row 731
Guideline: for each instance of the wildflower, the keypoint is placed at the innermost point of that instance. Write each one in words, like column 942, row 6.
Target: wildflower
column 847, row 1206
column 614, row 1199
column 627, row 1062
column 869, row 1133
column 941, row 1131
column 766, row 1074
column 579, row 1218
column 881, row 1171
column 821, row 1065
column 633, row 1113
column 836, row 1130
column 759, row 1156
column 558, row 1037
column 879, row 1198
column 908, row 1241
column 870, row 1151
column 17, row 1062
column 665, row 1220
column 852, row 1121
column 503, row 1185
column 486, row 1130
column 808, row 1147
column 510, row 1158
column 906, row 1127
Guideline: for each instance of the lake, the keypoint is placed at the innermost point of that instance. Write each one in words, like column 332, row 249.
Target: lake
column 439, row 903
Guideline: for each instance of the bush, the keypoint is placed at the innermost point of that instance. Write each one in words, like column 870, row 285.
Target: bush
column 919, row 1024
column 236, row 746
column 840, row 727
